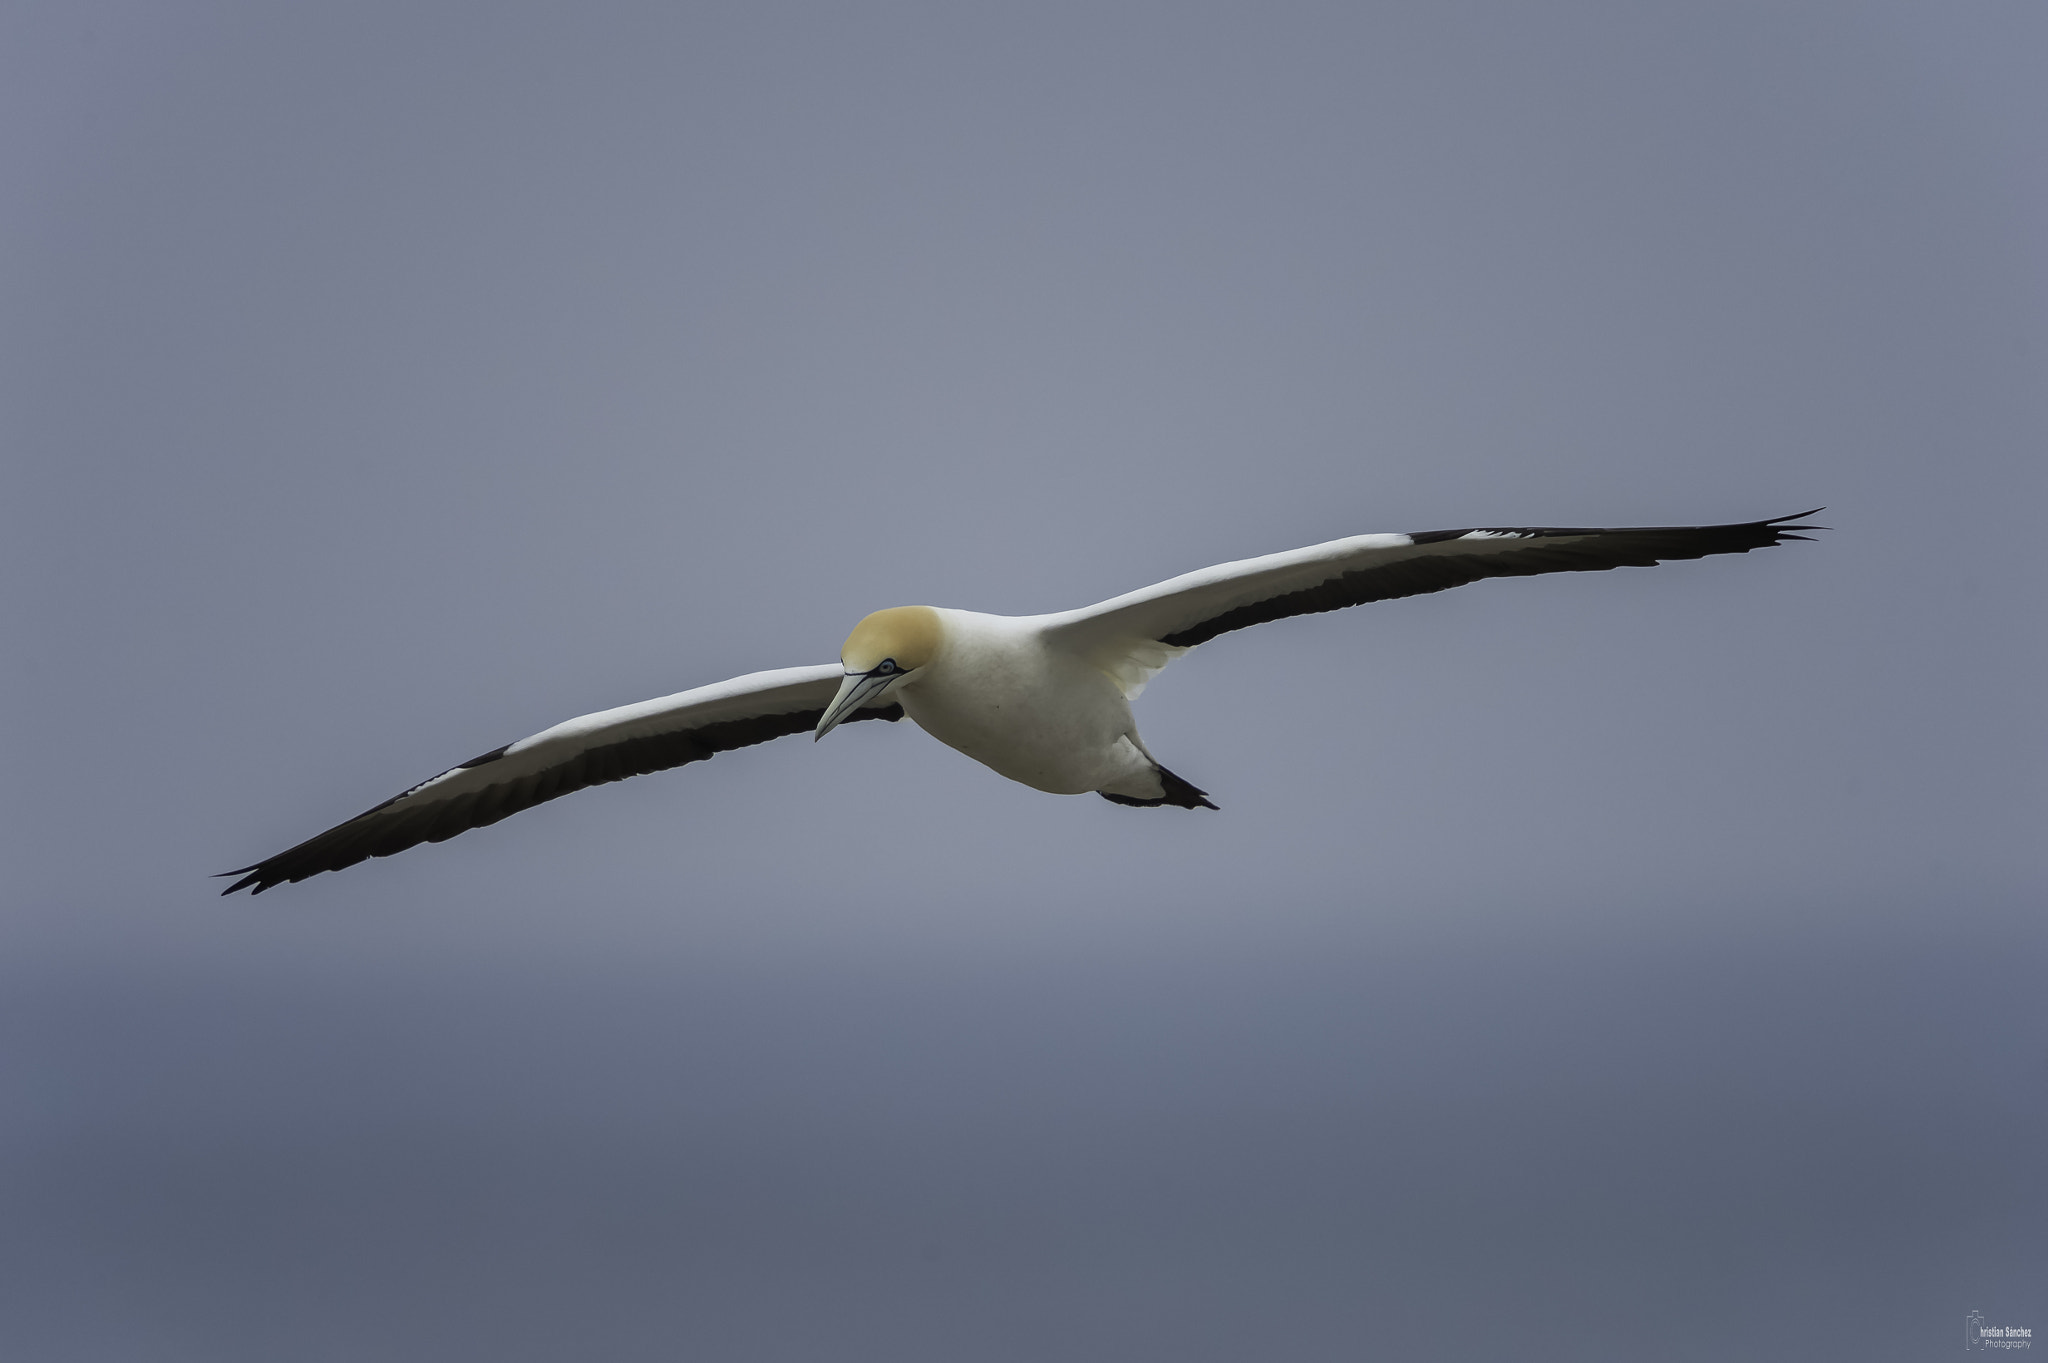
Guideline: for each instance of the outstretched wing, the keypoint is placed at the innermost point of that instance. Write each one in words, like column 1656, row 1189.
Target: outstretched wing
column 607, row 746
column 1155, row 623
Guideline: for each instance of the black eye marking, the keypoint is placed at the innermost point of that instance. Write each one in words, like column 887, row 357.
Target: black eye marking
column 888, row 667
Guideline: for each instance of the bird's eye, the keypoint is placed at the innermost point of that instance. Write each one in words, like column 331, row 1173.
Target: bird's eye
column 888, row 666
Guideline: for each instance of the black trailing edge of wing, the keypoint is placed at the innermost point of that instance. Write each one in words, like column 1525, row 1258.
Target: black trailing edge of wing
column 367, row 836
column 1520, row 552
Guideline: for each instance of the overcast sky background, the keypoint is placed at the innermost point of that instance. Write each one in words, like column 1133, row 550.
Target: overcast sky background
column 1648, row 964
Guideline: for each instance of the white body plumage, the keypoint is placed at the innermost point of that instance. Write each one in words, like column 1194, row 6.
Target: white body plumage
column 1008, row 693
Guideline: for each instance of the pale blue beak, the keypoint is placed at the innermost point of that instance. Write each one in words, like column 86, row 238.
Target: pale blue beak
column 857, row 690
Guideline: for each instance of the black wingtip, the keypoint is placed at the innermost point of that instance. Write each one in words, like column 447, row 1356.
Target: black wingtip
column 1796, row 516
column 250, row 876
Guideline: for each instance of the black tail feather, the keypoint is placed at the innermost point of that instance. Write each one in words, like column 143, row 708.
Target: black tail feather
column 1179, row 794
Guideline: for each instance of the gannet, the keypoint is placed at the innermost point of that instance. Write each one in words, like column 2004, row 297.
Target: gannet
column 1041, row 699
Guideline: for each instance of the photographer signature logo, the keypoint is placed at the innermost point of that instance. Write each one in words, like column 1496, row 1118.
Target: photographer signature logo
column 1978, row 1335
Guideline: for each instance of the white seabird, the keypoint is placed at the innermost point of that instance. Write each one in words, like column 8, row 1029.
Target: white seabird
column 1042, row 699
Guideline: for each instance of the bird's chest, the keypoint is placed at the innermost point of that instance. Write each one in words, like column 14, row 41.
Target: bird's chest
column 1047, row 725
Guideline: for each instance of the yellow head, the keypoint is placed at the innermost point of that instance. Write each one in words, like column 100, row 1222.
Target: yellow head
column 906, row 636
column 882, row 650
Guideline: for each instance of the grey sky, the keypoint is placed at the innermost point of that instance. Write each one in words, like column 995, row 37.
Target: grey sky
column 1644, row 964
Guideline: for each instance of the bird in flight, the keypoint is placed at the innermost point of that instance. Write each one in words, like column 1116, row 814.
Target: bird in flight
column 1041, row 699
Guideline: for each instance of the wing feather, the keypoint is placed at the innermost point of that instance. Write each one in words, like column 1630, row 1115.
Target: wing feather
column 1196, row 607
column 590, row 750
